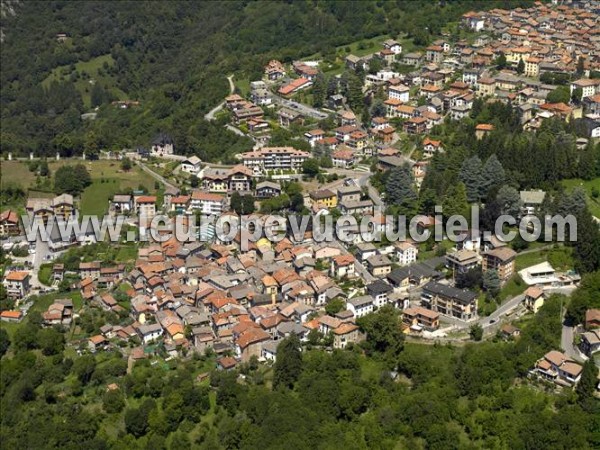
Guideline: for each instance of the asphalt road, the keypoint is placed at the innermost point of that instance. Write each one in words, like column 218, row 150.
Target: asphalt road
column 566, row 343
column 211, row 114
column 156, row 176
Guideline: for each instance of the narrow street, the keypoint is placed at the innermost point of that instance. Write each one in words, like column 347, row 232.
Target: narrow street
column 156, row 176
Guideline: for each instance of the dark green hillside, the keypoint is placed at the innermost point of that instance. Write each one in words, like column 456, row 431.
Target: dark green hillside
column 173, row 57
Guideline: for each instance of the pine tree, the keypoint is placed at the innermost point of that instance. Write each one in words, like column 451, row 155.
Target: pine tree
column 492, row 174
column 580, row 65
column 288, row 364
column 470, row 175
column 521, row 66
column 586, row 167
column 455, row 202
column 400, row 186
column 248, row 204
column 355, row 94
column 491, row 282
column 587, row 383
column 510, row 200
column 236, row 202
column 319, row 91
column 587, row 246
column 332, row 86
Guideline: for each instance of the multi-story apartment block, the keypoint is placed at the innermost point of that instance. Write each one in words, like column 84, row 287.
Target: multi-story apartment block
column 450, row 301
column 274, row 158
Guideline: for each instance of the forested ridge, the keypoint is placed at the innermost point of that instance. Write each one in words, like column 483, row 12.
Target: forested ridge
column 173, row 57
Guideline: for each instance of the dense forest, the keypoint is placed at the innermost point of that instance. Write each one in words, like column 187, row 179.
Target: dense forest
column 172, row 57
column 385, row 393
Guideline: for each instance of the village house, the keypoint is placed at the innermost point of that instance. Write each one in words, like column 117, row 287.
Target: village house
column 592, row 319
column 191, row 165
column 406, row 253
column 324, row 198
column 379, row 265
column 59, row 313
column 534, row 298
column 150, row 332
column 208, row 203
column 558, row 368
column 435, row 54
column 486, row 87
column 342, row 266
column 343, row 158
column 590, row 342
column 346, row 333
column 589, row 87
column 267, row 189
column 63, row 207
column 360, row 306
column 379, row 290
column 294, row 86
column 349, row 193
column 412, row 59
column 89, row 270
column 418, row 319
column 482, row 130
column 274, row 70
column 9, row 223
column 393, row 46
column 16, row 284
column 145, row 205
column 313, row 136
column 360, row 207
column 531, row 201
column 39, row 209
column 96, row 343
column 122, row 203
column 247, row 113
column 249, row 343
column 431, row 147
column 399, row 92
column 415, row 125
column 11, row 316
column 162, row 145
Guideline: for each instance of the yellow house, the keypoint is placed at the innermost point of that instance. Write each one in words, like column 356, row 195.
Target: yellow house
column 324, row 198
column 358, row 140
column 534, row 298
column 514, row 55
column 176, row 331
column 270, row 285
column 486, row 87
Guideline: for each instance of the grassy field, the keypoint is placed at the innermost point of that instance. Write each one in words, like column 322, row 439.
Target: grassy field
column 513, row 287
column 107, row 176
column 560, row 258
column 589, row 186
column 95, row 74
column 94, row 200
column 243, row 85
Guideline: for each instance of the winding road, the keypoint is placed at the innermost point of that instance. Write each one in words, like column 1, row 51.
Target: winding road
column 210, row 116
